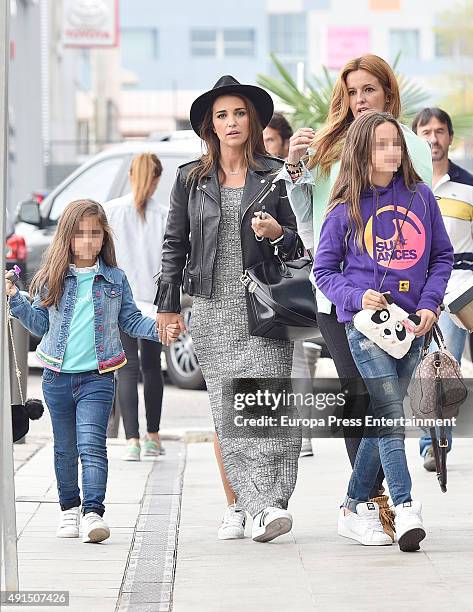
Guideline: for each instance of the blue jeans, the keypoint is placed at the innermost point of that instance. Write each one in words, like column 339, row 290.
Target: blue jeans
column 79, row 405
column 454, row 338
column 387, row 380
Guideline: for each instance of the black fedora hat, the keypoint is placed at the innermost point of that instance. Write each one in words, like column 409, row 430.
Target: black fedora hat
column 229, row 85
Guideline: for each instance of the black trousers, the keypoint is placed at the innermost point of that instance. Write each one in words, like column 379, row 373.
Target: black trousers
column 127, row 384
column 357, row 404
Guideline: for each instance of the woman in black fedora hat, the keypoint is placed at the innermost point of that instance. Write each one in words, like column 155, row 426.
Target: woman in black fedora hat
column 216, row 228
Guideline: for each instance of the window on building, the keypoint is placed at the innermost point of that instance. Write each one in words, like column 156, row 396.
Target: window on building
column 204, row 43
column 233, row 42
column 405, row 41
column 447, row 48
column 288, row 39
column 239, row 43
column 139, row 44
column 443, row 48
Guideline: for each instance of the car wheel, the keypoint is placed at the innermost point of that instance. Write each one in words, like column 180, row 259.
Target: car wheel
column 182, row 366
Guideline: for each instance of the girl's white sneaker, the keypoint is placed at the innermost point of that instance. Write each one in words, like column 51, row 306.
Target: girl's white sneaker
column 270, row 523
column 409, row 526
column 94, row 528
column 364, row 525
column 233, row 524
column 69, row 523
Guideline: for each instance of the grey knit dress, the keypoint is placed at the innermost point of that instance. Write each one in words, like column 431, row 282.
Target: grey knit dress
column 262, row 471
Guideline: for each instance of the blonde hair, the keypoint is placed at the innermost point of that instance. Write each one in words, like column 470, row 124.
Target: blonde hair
column 49, row 279
column 356, row 168
column 144, row 170
column 328, row 141
column 254, row 144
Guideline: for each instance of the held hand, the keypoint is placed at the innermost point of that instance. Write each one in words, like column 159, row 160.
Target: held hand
column 169, row 325
column 373, row 300
column 427, row 319
column 10, row 287
column 267, row 227
column 298, row 144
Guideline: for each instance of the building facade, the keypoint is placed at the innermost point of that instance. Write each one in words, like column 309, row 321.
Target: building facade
column 169, row 55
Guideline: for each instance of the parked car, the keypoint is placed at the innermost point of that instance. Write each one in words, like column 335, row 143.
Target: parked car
column 16, row 254
column 103, row 177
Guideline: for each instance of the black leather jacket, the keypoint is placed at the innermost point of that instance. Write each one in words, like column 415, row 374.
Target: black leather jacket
column 190, row 241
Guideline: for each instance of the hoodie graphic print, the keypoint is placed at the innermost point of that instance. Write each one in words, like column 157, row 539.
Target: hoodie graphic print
column 406, row 250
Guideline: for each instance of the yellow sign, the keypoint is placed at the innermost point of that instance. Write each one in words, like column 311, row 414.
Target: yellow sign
column 404, row 285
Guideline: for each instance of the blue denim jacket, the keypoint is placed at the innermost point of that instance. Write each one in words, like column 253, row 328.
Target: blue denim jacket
column 114, row 308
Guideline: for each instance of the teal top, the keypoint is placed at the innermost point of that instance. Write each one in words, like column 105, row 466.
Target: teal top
column 309, row 196
column 80, row 353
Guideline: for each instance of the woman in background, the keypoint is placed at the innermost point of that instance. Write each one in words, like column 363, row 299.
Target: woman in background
column 138, row 220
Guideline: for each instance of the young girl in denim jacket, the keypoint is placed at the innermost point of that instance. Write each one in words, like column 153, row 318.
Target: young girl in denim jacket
column 81, row 300
column 383, row 227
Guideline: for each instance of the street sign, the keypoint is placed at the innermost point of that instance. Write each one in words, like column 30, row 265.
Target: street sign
column 90, row 23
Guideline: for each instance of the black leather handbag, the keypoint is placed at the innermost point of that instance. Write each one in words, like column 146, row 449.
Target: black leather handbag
column 280, row 300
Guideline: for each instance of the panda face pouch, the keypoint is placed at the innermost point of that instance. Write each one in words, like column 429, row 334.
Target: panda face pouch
column 391, row 328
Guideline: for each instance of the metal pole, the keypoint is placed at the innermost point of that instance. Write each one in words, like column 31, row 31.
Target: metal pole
column 7, row 484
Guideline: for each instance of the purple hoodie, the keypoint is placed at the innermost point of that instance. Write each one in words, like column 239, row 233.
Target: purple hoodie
column 419, row 270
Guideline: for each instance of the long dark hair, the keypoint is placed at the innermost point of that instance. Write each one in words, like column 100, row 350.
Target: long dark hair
column 253, row 146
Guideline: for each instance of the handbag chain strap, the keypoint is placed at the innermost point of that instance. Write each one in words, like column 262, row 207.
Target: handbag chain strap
column 397, row 238
column 17, row 369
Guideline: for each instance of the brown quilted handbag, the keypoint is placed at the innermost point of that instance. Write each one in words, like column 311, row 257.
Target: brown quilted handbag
column 437, row 392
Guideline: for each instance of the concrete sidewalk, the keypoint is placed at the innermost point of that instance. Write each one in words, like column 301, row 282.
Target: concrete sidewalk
column 93, row 574
column 313, row 568
column 164, row 514
column 310, row 569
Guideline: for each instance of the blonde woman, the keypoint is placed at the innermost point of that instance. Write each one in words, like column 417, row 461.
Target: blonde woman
column 138, row 220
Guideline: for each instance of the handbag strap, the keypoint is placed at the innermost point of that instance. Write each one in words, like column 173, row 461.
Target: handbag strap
column 434, row 333
column 440, row 456
column 440, row 445
column 17, row 369
column 397, row 238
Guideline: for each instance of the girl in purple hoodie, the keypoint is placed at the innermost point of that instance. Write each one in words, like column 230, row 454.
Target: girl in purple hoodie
column 383, row 232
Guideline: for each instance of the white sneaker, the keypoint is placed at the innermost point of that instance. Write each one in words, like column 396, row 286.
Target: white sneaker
column 363, row 525
column 271, row 523
column 69, row 523
column 94, row 528
column 409, row 527
column 233, row 524
column 306, row 448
